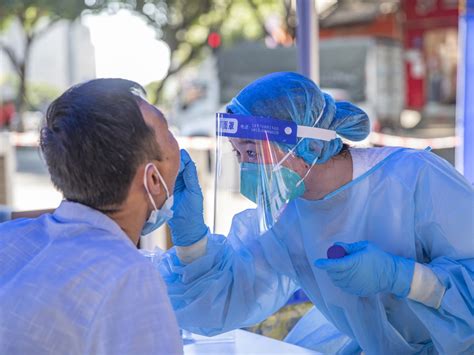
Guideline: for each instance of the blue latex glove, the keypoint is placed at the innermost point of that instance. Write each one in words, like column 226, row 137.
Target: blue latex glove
column 367, row 270
column 187, row 225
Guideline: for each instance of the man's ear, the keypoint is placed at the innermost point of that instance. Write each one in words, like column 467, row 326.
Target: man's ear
column 152, row 180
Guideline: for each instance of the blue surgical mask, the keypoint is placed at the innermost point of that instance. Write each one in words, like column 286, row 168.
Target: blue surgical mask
column 158, row 217
column 282, row 183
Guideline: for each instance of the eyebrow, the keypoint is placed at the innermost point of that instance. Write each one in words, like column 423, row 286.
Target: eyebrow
column 247, row 141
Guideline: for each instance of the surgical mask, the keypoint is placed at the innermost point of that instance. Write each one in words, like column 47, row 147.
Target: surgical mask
column 158, row 217
column 285, row 184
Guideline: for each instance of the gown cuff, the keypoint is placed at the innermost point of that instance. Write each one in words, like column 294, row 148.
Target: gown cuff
column 425, row 287
column 192, row 252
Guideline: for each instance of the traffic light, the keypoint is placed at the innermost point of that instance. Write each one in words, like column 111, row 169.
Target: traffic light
column 214, row 40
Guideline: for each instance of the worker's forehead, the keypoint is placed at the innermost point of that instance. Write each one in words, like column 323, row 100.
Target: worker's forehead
column 242, row 141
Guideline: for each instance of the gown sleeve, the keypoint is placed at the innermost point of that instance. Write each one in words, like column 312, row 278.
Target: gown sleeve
column 444, row 232
column 239, row 281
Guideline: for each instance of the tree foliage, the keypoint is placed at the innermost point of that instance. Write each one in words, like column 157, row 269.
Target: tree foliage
column 35, row 18
column 185, row 25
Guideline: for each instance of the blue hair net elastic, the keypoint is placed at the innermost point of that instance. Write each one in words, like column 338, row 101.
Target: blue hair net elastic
column 293, row 97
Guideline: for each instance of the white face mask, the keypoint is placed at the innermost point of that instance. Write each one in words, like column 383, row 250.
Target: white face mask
column 158, row 217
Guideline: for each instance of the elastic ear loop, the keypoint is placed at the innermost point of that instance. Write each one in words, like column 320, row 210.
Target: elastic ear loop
column 146, row 185
column 287, row 155
column 307, row 173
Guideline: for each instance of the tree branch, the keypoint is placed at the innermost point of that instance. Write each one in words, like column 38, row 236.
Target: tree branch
column 259, row 17
column 42, row 31
column 169, row 36
column 192, row 54
column 289, row 14
column 188, row 22
column 11, row 55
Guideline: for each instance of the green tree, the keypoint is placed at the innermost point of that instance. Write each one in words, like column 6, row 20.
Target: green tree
column 35, row 18
column 185, row 26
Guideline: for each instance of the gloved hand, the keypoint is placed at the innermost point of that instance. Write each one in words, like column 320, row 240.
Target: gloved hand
column 187, row 225
column 367, row 270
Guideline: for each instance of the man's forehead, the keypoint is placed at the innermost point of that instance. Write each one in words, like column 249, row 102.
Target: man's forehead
column 158, row 111
column 149, row 109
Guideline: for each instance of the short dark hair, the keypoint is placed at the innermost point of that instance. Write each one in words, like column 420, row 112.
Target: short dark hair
column 93, row 140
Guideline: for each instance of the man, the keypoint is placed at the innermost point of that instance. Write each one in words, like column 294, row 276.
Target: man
column 73, row 281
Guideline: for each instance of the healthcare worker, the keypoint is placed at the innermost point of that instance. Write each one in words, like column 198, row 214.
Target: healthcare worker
column 403, row 217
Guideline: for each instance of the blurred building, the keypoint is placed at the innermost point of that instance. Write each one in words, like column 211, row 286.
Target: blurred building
column 397, row 59
column 427, row 30
column 431, row 60
column 197, row 100
column 366, row 70
column 61, row 57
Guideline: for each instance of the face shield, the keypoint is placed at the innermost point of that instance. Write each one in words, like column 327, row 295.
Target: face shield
column 256, row 167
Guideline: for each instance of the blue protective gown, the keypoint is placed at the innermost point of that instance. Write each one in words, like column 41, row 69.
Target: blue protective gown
column 412, row 204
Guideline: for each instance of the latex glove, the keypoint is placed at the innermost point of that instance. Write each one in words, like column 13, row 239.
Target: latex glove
column 367, row 270
column 187, row 225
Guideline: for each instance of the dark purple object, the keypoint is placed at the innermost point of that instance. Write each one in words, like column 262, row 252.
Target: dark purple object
column 336, row 252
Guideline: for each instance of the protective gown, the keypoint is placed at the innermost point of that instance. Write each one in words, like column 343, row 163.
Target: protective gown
column 412, row 204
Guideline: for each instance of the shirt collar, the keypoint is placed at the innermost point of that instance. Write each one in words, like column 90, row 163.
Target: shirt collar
column 69, row 211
